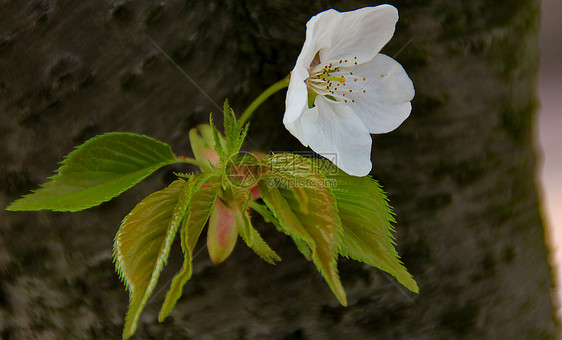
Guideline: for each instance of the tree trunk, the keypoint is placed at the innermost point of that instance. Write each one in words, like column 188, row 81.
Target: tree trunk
column 460, row 172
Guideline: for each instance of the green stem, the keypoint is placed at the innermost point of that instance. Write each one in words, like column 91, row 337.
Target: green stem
column 201, row 165
column 281, row 84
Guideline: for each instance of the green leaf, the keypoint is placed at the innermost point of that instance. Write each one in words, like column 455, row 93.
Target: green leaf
column 267, row 215
column 143, row 242
column 231, row 128
column 303, row 247
column 220, row 143
column 249, row 234
column 270, row 218
column 259, row 246
column 233, row 133
column 239, row 205
column 367, row 233
column 97, row 171
column 293, row 190
column 201, row 204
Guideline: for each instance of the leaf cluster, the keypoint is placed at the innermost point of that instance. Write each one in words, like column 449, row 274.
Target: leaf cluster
column 326, row 212
column 234, row 135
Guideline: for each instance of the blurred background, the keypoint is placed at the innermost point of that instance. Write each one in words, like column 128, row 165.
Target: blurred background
column 550, row 126
column 468, row 229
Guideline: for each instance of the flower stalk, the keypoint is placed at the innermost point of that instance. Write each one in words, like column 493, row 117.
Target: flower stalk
column 281, row 84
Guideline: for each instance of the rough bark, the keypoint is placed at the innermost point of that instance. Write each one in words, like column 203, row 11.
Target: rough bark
column 459, row 172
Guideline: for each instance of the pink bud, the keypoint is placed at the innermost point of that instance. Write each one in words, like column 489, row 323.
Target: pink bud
column 222, row 233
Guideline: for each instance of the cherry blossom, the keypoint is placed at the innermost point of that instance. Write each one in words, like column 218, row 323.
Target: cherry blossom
column 342, row 89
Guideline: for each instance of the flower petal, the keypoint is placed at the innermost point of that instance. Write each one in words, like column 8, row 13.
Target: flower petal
column 385, row 104
column 297, row 96
column 295, row 128
column 318, row 36
column 334, row 131
column 360, row 33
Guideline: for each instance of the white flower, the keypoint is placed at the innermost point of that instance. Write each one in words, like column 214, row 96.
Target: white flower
column 342, row 89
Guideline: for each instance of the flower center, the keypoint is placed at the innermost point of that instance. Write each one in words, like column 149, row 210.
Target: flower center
column 336, row 80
